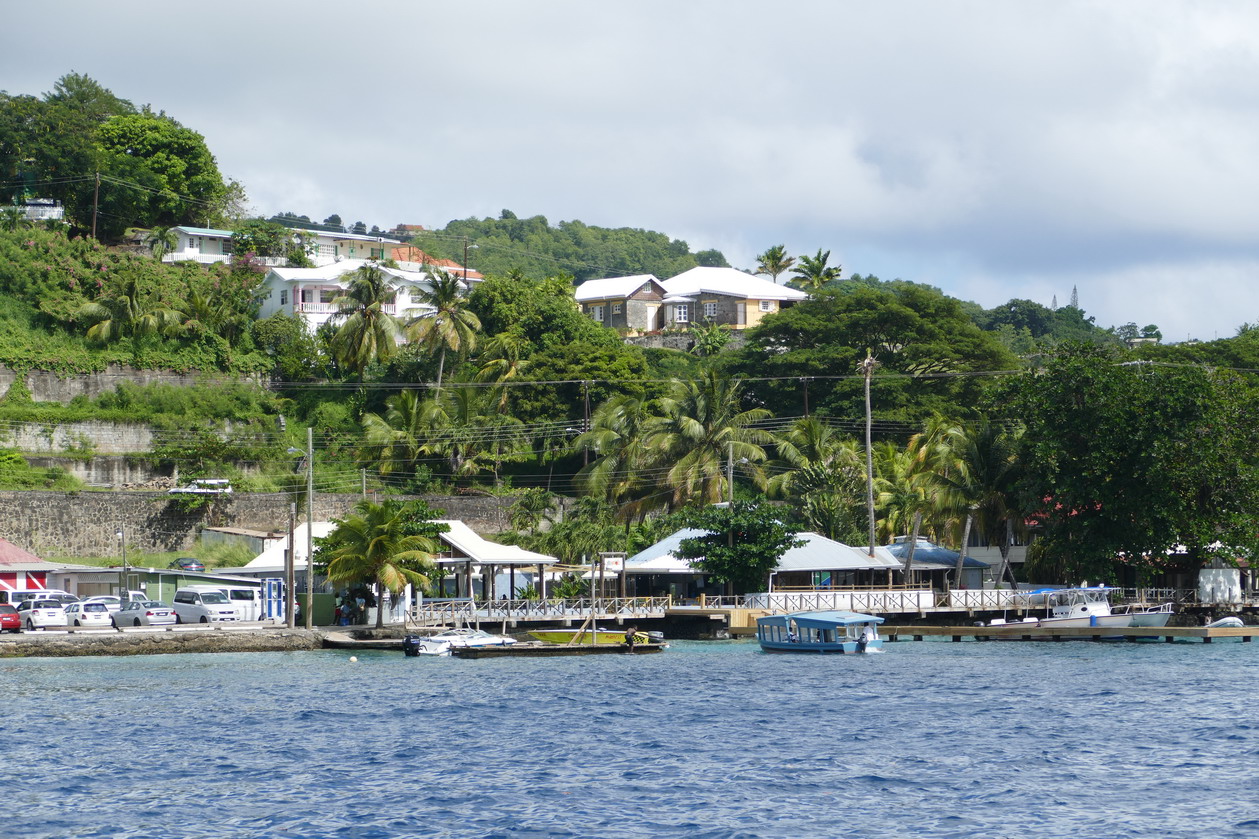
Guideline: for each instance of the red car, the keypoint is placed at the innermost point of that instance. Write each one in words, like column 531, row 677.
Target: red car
column 9, row 619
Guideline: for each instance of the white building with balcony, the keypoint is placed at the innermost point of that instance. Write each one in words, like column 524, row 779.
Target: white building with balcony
column 307, row 293
column 206, row 244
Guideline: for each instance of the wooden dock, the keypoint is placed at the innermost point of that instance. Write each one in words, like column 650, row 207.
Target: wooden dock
column 552, row 650
column 1030, row 632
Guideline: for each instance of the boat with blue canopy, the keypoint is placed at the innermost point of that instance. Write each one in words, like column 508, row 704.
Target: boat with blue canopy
column 819, row 632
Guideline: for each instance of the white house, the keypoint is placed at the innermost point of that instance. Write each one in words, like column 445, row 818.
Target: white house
column 631, row 303
column 307, row 293
column 205, row 245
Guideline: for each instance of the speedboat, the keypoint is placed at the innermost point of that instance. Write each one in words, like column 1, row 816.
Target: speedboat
column 443, row 642
column 819, row 632
column 1072, row 607
column 1156, row 616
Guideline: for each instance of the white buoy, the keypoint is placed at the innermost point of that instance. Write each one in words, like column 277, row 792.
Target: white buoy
column 353, row 659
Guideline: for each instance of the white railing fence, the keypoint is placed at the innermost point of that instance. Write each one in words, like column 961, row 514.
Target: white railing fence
column 432, row 612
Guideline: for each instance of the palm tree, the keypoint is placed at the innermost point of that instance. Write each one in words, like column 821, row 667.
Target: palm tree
column 131, row 312
column 373, row 546
column 620, row 472
column 370, row 332
column 397, row 438
column 774, row 262
column 161, row 241
column 700, row 431
column 10, row 218
column 448, row 324
column 502, row 361
column 813, row 272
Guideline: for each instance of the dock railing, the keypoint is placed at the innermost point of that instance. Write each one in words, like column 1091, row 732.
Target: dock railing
column 876, row 601
column 463, row 611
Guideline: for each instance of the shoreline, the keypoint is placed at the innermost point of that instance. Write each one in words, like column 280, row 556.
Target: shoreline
column 158, row 641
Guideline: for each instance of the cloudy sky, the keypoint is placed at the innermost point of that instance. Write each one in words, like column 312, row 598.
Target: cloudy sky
column 994, row 149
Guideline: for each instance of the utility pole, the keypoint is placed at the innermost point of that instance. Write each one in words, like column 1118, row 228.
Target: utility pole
column 867, row 370
column 310, row 521
column 96, row 197
column 730, row 471
column 290, row 596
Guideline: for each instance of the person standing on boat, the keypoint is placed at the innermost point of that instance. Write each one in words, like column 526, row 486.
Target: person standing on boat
column 631, row 635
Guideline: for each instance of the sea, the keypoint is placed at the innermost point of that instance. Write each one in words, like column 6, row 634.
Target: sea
column 707, row 739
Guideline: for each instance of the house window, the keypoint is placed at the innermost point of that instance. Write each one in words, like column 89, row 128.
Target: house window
column 710, row 310
column 284, row 297
column 616, row 308
column 597, row 313
column 767, row 305
column 327, row 295
column 682, row 313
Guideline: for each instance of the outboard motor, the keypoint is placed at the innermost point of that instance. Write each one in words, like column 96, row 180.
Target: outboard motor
column 411, row 645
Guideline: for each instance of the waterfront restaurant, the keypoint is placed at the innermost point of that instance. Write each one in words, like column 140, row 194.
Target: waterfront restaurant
column 820, row 564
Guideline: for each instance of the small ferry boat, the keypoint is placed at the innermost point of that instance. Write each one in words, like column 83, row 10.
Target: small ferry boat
column 819, row 632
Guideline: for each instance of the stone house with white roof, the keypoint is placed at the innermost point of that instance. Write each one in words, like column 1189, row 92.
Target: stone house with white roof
column 307, row 293
column 629, row 303
column 699, row 296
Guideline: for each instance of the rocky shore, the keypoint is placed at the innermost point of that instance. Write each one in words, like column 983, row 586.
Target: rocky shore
column 159, row 641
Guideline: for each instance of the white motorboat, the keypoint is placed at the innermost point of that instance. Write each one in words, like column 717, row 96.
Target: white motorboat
column 1071, row 607
column 1156, row 616
column 443, row 642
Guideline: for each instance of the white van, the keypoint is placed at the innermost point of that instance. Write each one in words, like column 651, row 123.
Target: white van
column 246, row 599
column 16, row 596
column 203, row 604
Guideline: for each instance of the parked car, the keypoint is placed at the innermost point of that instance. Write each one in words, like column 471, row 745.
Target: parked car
column 187, row 563
column 87, row 614
column 203, row 606
column 9, row 618
column 112, row 603
column 41, row 614
column 145, row 613
column 62, row 597
column 205, row 486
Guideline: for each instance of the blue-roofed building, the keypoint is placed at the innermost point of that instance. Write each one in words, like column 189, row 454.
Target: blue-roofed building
column 937, row 563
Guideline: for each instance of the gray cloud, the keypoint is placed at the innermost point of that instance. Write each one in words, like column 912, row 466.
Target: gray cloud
column 994, row 149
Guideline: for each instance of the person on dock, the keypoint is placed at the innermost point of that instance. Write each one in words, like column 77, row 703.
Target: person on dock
column 631, row 636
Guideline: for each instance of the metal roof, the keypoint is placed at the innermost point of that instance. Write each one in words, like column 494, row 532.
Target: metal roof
column 818, row 553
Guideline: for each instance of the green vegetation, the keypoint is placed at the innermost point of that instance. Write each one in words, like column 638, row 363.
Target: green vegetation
column 1114, row 447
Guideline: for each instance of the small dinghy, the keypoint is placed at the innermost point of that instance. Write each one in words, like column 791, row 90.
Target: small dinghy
column 1229, row 621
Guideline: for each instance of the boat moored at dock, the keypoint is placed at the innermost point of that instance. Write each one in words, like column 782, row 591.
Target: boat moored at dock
column 819, row 632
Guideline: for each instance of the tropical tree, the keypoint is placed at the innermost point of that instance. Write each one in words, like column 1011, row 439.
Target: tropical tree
column 700, row 430
column 161, row 241
column 708, row 338
column 369, row 332
column 396, row 439
column 379, row 545
column 742, row 543
column 821, row 470
column 10, row 218
column 774, row 261
column 621, row 472
column 813, row 273
column 130, row 312
column 447, row 323
column 503, row 360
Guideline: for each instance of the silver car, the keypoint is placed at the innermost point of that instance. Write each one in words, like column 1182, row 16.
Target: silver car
column 145, row 613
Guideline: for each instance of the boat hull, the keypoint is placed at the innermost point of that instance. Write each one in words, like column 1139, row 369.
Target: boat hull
column 572, row 636
column 843, row 648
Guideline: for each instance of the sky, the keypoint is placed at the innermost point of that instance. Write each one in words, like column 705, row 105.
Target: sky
column 997, row 150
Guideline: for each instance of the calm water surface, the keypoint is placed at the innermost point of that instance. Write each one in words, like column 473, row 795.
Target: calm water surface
column 930, row 739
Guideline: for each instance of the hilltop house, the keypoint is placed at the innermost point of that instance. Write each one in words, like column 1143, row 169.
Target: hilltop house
column 631, row 303
column 307, row 293
column 206, row 245
column 699, row 296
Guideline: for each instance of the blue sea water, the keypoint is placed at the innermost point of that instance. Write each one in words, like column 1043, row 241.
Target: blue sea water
column 929, row 739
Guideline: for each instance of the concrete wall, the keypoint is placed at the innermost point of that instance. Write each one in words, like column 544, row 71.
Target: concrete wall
column 46, row 386
column 89, row 435
column 86, row 523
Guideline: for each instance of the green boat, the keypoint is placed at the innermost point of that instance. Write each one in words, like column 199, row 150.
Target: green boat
column 569, row 635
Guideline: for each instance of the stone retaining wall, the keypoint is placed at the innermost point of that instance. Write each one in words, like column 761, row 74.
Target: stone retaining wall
column 46, row 386
column 152, row 643
column 87, row 523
